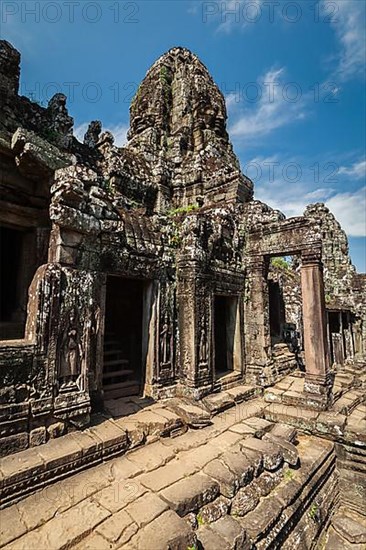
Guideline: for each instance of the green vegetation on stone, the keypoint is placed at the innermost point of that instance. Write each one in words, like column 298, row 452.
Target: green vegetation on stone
column 313, row 511
column 183, row 210
column 280, row 263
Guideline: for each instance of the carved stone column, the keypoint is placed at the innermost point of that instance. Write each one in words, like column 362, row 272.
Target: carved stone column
column 196, row 376
column 257, row 333
column 318, row 379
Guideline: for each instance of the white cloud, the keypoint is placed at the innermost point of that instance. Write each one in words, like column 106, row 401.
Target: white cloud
column 80, row 130
column 319, row 194
column 348, row 208
column 238, row 14
column 350, row 211
column 348, row 22
column 118, row 130
column 292, row 197
column 275, row 108
column 120, row 133
column 356, row 171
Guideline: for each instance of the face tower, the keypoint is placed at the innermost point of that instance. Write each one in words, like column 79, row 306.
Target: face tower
column 178, row 123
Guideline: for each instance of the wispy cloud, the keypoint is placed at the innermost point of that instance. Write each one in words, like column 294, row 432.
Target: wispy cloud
column 274, row 109
column 348, row 208
column 237, row 14
column 118, row 130
column 350, row 211
column 292, row 197
column 357, row 170
column 348, row 22
column 320, row 194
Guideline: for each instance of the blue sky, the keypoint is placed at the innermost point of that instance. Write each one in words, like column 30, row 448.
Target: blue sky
column 293, row 74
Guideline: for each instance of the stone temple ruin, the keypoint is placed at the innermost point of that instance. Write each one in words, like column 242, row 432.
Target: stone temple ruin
column 145, row 299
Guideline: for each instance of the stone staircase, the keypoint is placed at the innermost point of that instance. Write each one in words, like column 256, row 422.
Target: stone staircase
column 118, row 378
column 272, row 494
column 241, row 483
column 282, row 363
column 347, row 531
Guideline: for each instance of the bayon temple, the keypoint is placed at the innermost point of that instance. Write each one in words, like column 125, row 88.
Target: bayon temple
column 150, row 304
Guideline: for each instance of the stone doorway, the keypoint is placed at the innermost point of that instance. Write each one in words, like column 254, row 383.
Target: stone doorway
column 277, row 318
column 123, row 361
column 225, row 334
column 17, row 258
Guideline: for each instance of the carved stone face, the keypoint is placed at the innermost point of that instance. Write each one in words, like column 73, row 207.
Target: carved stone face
column 177, row 94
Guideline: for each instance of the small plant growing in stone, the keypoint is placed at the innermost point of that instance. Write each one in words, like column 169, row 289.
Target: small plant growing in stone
column 107, row 184
column 164, row 75
column 175, row 239
column 50, row 134
column 313, row 512
column 183, row 210
column 200, row 520
column 288, row 474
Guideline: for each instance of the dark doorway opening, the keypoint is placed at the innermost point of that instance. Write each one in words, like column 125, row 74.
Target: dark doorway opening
column 13, row 283
column 122, row 370
column 277, row 316
column 336, row 338
column 225, row 311
column 334, row 322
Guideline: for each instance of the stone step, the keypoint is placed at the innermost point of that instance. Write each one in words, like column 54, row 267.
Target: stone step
column 348, row 402
column 218, row 402
column 350, row 526
column 35, row 468
column 121, row 389
column 110, row 352
column 270, row 523
column 115, row 362
column 117, row 374
column 267, row 506
column 326, row 424
column 159, row 497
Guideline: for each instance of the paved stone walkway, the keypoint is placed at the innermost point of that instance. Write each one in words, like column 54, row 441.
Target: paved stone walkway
column 126, row 424
column 245, row 478
column 106, row 506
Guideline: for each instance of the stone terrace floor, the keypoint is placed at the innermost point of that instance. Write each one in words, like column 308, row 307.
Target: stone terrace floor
column 106, row 505
column 138, row 500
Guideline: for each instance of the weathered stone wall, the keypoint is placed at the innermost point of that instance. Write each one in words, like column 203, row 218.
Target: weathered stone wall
column 171, row 209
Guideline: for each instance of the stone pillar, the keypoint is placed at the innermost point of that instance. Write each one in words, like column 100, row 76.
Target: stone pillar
column 351, row 334
column 257, row 332
column 341, row 332
column 195, row 323
column 318, row 379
